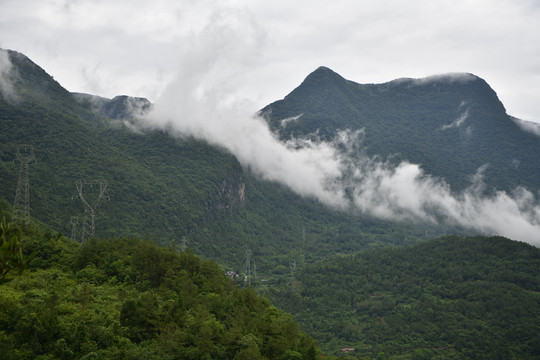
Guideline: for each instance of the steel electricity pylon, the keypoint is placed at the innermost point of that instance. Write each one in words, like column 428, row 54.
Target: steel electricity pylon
column 183, row 243
column 21, row 206
column 90, row 205
column 74, row 223
column 292, row 267
column 247, row 275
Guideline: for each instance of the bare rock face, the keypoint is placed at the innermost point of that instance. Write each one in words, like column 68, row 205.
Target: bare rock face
column 232, row 194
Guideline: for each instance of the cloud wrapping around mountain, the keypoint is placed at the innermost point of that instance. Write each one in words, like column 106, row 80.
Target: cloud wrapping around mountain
column 405, row 193
column 457, row 122
column 202, row 102
column 529, row 126
column 6, row 77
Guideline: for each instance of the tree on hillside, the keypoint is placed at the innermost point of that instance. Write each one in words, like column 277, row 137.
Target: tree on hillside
column 11, row 256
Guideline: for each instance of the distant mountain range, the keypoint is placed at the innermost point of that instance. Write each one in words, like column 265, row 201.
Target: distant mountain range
column 451, row 124
column 162, row 187
column 169, row 189
column 447, row 298
column 345, row 274
column 118, row 108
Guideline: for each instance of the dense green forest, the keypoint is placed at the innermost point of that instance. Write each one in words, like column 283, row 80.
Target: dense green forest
column 453, row 297
column 351, row 281
column 167, row 188
column 450, row 124
column 132, row 299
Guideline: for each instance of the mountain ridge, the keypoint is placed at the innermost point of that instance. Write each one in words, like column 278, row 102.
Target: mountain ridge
column 120, row 107
column 184, row 192
column 437, row 129
column 457, row 121
column 395, row 301
column 169, row 188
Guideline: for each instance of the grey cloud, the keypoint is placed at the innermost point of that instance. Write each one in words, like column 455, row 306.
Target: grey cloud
column 202, row 102
column 286, row 121
column 134, row 41
column 222, row 57
column 7, row 77
column 406, row 193
column 528, row 126
column 458, row 121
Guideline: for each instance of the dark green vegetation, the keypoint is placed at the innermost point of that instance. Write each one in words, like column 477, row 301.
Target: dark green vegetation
column 12, row 259
column 165, row 188
column 130, row 299
column 453, row 297
column 412, row 120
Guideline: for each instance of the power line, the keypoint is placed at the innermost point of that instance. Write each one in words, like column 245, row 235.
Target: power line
column 292, row 267
column 21, row 207
column 303, row 239
column 247, row 274
column 74, row 223
column 89, row 227
column 183, row 243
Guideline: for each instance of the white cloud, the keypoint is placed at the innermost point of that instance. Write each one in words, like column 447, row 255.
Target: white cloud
column 211, row 65
column 406, row 193
column 528, row 126
column 138, row 44
column 289, row 120
column 204, row 101
column 7, row 76
column 458, row 121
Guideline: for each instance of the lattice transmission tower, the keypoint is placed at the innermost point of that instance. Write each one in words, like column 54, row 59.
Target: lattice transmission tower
column 21, row 207
column 183, row 243
column 74, row 223
column 247, row 275
column 292, row 267
column 89, row 226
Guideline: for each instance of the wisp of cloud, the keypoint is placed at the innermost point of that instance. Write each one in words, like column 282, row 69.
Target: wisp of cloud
column 6, row 77
column 203, row 102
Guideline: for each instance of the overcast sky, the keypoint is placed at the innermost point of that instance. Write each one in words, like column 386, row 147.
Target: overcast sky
column 134, row 47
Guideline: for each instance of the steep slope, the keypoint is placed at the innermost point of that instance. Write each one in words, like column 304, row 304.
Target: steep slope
column 450, row 124
column 452, row 297
column 163, row 187
column 120, row 107
column 130, row 299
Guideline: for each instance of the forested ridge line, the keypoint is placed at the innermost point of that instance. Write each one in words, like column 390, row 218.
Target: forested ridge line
column 132, row 299
column 452, row 297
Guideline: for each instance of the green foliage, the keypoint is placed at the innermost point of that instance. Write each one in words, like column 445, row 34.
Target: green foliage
column 449, row 298
column 11, row 255
column 167, row 188
column 131, row 299
column 409, row 119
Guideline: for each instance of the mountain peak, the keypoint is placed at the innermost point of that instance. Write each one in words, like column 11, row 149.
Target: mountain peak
column 125, row 107
column 446, row 78
column 120, row 107
column 27, row 79
column 323, row 82
column 323, row 73
column 324, row 69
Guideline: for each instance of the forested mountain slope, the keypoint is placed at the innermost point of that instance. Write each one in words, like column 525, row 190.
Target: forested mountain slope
column 441, row 298
column 163, row 187
column 453, row 297
column 131, row 299
column 450, row 124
